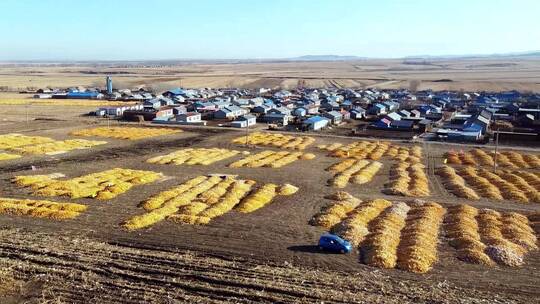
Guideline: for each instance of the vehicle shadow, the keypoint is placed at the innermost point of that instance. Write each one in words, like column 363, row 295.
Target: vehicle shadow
column 309, row 249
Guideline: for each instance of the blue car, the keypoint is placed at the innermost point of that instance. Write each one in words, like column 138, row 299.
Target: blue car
column 333, row 243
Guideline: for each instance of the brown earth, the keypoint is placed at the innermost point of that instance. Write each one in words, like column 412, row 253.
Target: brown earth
column 236, row 255
column 469, row 74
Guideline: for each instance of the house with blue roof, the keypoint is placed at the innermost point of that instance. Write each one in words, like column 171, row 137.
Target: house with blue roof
column 315, row 123
column 377, row 109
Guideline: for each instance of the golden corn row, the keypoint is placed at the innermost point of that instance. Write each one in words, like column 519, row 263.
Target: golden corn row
column 131, row 133
column 380, row 247
column 57, row 146
column 190, row 156
column 354, row 228
column 456, row 184
column 462, row 230
column 335, row 211
column 101, row 185
column 276, row 140
column 14, row 140
column 417, row 250
column 40, row 208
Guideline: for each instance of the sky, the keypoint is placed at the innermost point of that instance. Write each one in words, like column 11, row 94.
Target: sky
column 252, row 29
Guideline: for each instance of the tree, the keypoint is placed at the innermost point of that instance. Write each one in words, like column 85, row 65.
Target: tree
column 413, row 85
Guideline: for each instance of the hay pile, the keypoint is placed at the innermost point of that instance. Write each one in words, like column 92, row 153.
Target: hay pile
column 380, row 246
column 131, row 133
column 40, row 208
column 199, row 156
column 337, row 210
column 417, row 251
column 101, row 185
column 276, row 140
column 462, row 231
column 455, row 184
column 354, row 228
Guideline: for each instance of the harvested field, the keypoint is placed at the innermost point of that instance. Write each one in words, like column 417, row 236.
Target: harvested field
column 275, row 235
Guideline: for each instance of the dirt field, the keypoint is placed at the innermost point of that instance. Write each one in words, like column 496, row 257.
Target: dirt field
column 492, row 74
column 264, row 256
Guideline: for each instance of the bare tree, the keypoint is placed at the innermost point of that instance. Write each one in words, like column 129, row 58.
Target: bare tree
column 413, row 85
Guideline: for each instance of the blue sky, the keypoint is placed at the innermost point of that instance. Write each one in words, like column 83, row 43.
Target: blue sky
column 168, row 29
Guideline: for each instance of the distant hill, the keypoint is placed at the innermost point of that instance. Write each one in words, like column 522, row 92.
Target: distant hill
column 502, row 55
column 325, row 58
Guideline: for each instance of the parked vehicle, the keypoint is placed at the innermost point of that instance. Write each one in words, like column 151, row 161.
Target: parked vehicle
column 333, row 243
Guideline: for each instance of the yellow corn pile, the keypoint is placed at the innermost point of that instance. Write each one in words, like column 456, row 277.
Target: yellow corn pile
column 203, row 198
column 40, row 208
column 462, row 231
column 101, row 185
column 508, row 236
column 332, row 213
column 456, row 184
column 507, row 189
column 57, row 147
column 131, row 133
column 354, row 228
column 258, row 199
column 200, row 156
column 277, row 140
column 417, row 251
column 482, row 185
column 360, row 170
column 380, row 246
column 358, row 150
column 8, row 156
column 509, row 159
column 408, row 179
column 14, row 140
column 270, row 159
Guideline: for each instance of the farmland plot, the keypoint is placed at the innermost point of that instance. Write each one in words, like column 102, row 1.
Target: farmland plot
column 203, row 198
column 101, row 185
column 131, row 133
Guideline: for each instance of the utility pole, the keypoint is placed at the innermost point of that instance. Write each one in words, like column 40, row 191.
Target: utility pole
column 27, row 115
column 496, row 149
column 247, row 133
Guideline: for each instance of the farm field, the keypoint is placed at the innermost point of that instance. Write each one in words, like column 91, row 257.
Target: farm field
column 245, row 217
